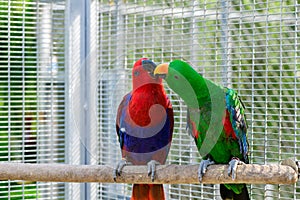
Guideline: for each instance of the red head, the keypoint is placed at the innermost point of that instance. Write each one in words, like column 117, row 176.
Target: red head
column 142, row 76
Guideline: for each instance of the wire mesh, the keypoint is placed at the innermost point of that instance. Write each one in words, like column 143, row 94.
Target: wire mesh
column 251, row 46
column 31, row 91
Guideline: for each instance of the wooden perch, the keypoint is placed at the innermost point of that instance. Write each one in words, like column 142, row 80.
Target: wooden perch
column 167, row 174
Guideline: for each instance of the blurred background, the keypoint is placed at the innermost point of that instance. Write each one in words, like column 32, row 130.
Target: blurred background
column 66, row 64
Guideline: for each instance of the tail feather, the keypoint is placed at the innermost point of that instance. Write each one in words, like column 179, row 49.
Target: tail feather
column 229, row 194
column 148, row 192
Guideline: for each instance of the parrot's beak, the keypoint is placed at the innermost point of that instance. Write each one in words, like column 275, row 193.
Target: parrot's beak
column 161, row 70
column 149, row 66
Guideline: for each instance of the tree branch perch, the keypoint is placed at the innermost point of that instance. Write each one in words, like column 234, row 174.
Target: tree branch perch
column 167, row 174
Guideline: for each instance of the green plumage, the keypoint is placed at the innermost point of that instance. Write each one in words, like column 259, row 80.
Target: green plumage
column 216, row 116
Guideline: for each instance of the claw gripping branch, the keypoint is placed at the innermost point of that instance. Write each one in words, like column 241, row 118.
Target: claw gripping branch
column 165, row 174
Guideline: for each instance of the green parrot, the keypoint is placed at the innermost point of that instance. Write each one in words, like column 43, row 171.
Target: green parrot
column 216, row 121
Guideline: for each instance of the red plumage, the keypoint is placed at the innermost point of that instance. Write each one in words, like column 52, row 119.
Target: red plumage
column 143, row 106
column 228, row 126
column 148, row 192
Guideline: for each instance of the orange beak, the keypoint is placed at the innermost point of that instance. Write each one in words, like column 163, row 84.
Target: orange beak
column 161, row 70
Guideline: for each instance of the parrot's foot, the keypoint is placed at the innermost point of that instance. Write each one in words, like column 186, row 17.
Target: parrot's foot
column 202, row 168
column 119, row 167
column 151, row 168
column 233, row 166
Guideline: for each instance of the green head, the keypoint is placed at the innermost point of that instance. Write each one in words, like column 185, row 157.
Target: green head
column 184, row 81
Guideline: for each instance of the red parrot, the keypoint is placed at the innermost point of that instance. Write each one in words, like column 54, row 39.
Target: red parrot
column 144, row 126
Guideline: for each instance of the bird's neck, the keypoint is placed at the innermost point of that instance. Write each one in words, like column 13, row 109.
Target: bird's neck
column 203, row 92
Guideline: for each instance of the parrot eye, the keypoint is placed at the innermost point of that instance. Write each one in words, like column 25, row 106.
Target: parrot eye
column 176, row 77
column 136, row 73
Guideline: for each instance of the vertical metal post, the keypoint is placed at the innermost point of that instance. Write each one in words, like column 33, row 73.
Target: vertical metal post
column 225, row 43
column 73, row 116
column 67, row 78
column 89, row 90
column 120, row 34
column 92, row 88
column 80, row 82
column 85, row 133
column 194, row 31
